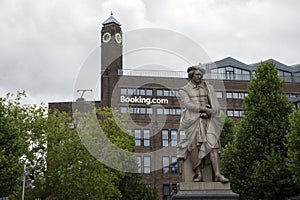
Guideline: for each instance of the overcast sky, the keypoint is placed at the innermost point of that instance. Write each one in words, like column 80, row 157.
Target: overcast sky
column 44, row 43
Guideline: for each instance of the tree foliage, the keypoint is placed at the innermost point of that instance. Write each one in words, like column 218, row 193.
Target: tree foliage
column 63, row 167
column 20, row 135
column 255, row 160
column 10, row 149
column 227, row 134
column 293, row 144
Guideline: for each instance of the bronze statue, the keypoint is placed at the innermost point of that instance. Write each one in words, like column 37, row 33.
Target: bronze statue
column 201, row 121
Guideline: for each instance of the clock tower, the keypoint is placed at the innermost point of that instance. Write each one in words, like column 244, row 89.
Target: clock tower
column 111, row 58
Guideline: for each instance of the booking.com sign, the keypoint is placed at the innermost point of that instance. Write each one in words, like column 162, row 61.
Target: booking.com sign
column 143, row 48
column 143, row 100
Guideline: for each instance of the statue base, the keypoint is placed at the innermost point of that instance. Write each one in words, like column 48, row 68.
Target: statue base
column 205, row 191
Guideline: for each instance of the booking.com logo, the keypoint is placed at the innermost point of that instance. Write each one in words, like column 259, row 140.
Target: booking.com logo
column 143, row 100
column 154, row 56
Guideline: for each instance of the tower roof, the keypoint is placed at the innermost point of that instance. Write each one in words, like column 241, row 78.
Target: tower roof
column 111, row 19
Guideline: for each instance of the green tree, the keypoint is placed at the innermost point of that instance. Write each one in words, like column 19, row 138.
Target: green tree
column 72, row 172
column 10, row 150
column 62, row 166
column 20, row 134
column 255, row 160
column 227, row 134
column 132, row 188
column 293, row 144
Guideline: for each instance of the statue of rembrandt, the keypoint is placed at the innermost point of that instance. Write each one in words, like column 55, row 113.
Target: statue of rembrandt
column 201, row 121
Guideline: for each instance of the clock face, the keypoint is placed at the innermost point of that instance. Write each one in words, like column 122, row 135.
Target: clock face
column 106, row 37
column 118, row 38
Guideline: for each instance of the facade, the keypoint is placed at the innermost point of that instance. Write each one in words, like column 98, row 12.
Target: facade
column 150, row 99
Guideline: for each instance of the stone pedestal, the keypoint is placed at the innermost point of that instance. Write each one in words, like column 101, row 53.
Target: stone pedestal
column 205, row 191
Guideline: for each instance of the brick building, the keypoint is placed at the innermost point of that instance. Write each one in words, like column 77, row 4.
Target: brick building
column 155, row 124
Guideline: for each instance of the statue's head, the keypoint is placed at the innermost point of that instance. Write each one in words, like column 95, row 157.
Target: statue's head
column 191, row 70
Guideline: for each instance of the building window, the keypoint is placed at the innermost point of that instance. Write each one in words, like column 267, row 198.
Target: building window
column 142, row 137
column 181, row 134
column 123, row 91
column 165, row 138
column 147, row 164
column 123, row 109
column 139, row 163
column 230, row 113
column 149, row 92
column 136, row 110
column 134, row 91
column 235, row 113
column 166, row 92
column 146, row 137
column 168, row 111
column 174, row 138
column 174, row 165
column 160, row 111
column 236, row 95
column 140, row 110
column 230, row 73
column 166, row 192
column 286, row 76
column 130, row 91
column 229, row 95
column 137, row 136
column 159, row 92
column 166, row 164
column 219, row 94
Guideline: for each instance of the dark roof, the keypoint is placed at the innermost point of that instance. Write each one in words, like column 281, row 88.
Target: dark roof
column 296, row 68
column 229, row 61
column 111, row 19
column 278, row 65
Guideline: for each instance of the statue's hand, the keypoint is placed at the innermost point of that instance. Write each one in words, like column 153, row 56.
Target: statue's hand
column 204, row 115
column 209, row 111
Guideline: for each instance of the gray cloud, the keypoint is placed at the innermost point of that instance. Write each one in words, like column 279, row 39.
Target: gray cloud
column 44, row 43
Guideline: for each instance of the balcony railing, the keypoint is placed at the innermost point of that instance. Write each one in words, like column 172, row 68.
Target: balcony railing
column 182, row 74
column 153, row 73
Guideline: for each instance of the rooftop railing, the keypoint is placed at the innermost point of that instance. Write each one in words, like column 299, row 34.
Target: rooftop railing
column 182, row 74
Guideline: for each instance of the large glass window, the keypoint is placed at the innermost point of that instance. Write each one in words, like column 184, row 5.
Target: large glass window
column 139, row 163
column 123, row 109
column 219, row 94
column 138, row 91
column 149, row 92
column 165, row 138
column 137, row 136
column 236, row 95
column 181, row 134
column 168, row 111
column 146, row 137
column 230, row 113
column 142, row 137
column 160, row 111
column 235, row 113
column 137, row 110
column 159, row 92
column 147, row 164
column 174, row 165
column 166, row 92
column 229, row 95
column 166, row 163
column 123, row 91
column 174, row 138
column 166, row 192
column 230, row 73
